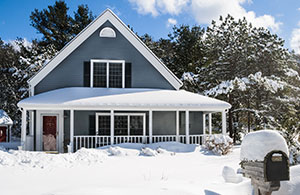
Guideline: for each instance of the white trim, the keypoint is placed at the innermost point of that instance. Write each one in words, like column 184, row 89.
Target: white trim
column 150, row 126
column 112, row 127
column 129, row 114
column 31, row 122
column 91, row 74
column 111, row 33
column 108, row 62
column 72, row 130
column 23, row 128
column 107, row 15
column 39, row 128
column 224, row 122
column 210, row 123
column 187, row 126
column 133, row 108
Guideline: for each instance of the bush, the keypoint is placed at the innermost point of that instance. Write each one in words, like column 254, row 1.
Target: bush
column 219, row 144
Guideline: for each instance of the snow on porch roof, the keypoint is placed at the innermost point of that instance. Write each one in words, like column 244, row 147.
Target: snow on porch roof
column 93, row 98
column 4, row 118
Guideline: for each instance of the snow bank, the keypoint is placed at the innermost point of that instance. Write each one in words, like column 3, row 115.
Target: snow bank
column 230, row 176
column 159, row 147
column 90, row 156
column 257, row 145
column 44, row 160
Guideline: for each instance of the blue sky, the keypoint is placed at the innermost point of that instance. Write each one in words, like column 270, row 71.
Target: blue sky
column 156, row 17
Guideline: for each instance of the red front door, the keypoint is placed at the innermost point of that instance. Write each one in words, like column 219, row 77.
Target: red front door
column 49, row 133
column 3, row 134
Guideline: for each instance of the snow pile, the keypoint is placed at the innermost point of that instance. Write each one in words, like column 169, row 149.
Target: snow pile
column 44, row 160
column 162, row 148
column 230, row 176
column 148, row 152
column 257, row 145
column 4, row 118
column 219, row 144
column 118, row 151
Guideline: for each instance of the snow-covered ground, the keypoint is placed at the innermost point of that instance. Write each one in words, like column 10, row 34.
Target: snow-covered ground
column 163, row 168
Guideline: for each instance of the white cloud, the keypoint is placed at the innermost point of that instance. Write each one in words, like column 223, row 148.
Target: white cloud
column 171, row 22
column 16, row 47
column 295, row 40
column 204, row 11
column 156, row 7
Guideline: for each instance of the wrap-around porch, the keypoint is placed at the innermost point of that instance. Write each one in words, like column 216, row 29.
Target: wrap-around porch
column 91, row 118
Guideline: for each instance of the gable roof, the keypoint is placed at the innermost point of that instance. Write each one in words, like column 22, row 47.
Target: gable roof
column 107, row 15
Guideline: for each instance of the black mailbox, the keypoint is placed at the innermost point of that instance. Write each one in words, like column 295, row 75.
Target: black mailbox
column 276, row 166
column 266, row 175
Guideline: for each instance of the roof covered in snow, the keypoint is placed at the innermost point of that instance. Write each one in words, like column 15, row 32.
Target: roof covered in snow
column 84, row 97
column 257, row 145
column 4, row 118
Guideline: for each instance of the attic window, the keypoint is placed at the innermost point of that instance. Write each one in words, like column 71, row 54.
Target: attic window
column 107, row 32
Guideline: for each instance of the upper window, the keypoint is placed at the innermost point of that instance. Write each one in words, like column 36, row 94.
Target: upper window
column 107, row 73
column 107, row 32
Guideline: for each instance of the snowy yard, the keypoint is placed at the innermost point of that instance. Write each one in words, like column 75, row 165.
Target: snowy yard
column 127, row 169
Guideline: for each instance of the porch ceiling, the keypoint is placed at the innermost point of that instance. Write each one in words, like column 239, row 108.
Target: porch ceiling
column 129, row 98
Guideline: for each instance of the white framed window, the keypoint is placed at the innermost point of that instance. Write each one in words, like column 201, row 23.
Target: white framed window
column 107, row 73
column 125, row 124
column 107, row 32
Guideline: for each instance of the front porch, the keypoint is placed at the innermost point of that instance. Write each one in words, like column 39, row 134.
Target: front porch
column 91, row 118
column 96, row 128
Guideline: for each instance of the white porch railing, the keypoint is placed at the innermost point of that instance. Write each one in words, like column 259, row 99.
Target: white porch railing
column 93, row 141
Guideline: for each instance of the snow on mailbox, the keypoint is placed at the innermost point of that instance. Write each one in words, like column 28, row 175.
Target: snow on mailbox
column 264, row 159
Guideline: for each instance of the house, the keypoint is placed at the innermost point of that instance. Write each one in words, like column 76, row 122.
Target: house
column 107, row 87
column 5, row 126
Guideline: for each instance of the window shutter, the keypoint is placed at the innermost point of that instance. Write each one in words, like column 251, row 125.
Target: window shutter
column 92, row 128
column 127, row 75
column 86, row 74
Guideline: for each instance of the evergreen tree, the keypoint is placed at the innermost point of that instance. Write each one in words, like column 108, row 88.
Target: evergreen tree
column 56, row 26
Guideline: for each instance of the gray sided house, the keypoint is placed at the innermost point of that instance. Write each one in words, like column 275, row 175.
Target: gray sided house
column 106, row 87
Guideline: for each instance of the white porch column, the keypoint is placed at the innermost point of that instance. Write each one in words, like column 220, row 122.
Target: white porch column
column 23, row 129
column 31, row 125
column 177, row 125
column 112, row 127
column 187, row 126
column 144, row 130
column 204, row 124
column 209, row 124
column 150, row 125
column 72, row 130
column 223, row 122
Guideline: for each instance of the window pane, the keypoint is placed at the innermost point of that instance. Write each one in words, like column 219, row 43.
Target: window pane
column 104, row 125
column 99, row 74
column 121, row 125
column 136, row 125
column 115, row 75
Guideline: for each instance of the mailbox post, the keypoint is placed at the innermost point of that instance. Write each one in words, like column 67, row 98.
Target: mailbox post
column 266, row 175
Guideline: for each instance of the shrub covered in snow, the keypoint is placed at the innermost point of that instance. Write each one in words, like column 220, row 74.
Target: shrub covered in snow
column 219, row 144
